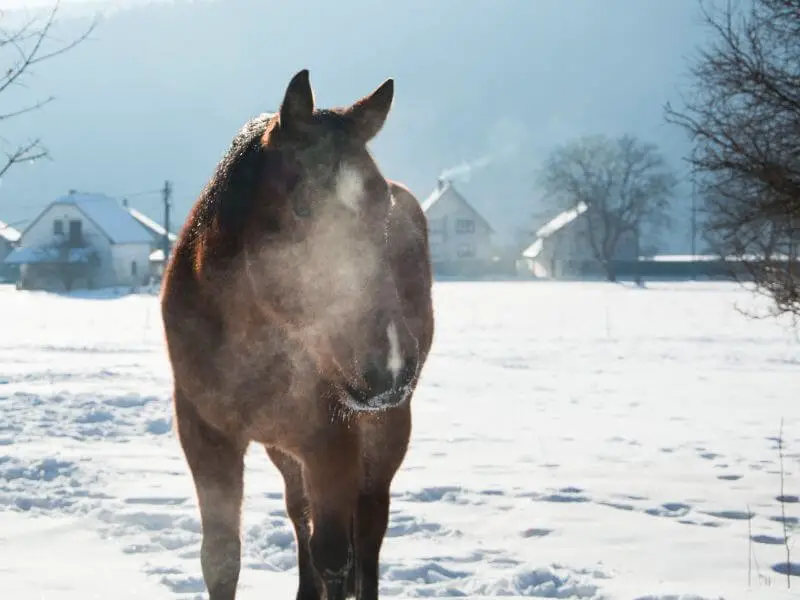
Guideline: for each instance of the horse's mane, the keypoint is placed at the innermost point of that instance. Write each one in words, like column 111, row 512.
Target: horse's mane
column 225, row 205
column 226, row 202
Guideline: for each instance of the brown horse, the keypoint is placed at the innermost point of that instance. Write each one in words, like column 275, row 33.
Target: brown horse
column 297, row 312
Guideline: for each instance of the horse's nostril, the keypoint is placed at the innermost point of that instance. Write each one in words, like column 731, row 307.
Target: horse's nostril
column 378, row 379
column 407, row 374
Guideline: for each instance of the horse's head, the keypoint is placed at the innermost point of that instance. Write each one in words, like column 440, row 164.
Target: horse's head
column 321, row 260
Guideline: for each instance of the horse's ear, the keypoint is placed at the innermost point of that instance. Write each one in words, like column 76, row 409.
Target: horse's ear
column 298, row 102
column 369, row 114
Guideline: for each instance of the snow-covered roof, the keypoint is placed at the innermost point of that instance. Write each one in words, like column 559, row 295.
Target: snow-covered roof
column 446, row 190
column 714, row 257
column 555, row 224
column 157, row 255
column 682, row 258
column 150, row 224
column 8, row 233
column 109, row 216
column 534, row 249
column 435, row 196
column 561, row 220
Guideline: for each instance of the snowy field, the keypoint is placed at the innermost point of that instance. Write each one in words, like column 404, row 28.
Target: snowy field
column 571, row 440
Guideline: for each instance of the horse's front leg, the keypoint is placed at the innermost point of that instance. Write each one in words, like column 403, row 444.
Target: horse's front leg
column 384, row 445
column 217, row 466
column 332, row 474
column 371, row 522
column 297, row 509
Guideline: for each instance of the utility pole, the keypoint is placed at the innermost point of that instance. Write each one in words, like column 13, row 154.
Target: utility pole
column 167, row 195
column 694, row 219
column 694, row 263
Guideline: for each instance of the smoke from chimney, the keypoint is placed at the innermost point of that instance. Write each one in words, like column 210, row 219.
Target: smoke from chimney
column 502, row 149
column 465, row 169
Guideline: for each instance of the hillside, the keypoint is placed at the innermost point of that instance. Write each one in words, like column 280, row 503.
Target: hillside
column 161, row 88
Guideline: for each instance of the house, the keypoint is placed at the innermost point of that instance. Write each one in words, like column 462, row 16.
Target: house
column 83, row 240
column 157, row 232
column 460, row 238
column 562, row 247
column 9, row 237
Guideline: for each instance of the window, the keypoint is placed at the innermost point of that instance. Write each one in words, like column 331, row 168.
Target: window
column 134, row 269
column 58, row 227
column 465, row 226
column 75, row 231
column 435, row 225
column 466, row 251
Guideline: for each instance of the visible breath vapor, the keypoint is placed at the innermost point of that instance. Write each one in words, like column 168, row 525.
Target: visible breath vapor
column 335, row 278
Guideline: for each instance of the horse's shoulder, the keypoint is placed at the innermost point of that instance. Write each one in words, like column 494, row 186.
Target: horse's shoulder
column 406, row 203
column 408, row 232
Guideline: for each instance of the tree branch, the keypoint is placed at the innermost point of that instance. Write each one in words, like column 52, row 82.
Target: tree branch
column 743, row 118
column 29, row 152
column 624, row 182
column 28, row 46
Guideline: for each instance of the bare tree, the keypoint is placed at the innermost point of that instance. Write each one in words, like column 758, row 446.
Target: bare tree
column 623, row 184
column 25, row 43
column 743, row 116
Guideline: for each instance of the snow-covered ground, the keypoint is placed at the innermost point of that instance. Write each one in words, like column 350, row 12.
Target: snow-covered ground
column 571, row 440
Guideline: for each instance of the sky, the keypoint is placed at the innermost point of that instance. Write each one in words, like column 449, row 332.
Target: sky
column 160, row 88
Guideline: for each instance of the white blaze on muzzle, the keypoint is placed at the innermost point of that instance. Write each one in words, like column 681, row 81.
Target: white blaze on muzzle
column 394, row 359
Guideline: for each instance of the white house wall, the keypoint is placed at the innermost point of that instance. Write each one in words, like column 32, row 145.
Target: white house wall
column 124, row 256
column 569, row 250
column 41, row 234
column 445, row 241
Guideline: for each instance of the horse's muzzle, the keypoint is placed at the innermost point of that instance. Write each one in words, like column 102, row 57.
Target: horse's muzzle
column 382, row 388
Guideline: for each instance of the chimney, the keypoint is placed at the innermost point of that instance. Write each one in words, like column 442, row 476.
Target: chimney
column 125, row 202
column 439, row 184
column 72, row 192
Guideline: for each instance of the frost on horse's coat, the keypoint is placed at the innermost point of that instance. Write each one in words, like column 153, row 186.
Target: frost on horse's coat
column 297, row 313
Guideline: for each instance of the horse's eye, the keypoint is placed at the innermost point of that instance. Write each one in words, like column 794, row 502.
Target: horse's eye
column 300, row 205
column 301, row 208
column 291, row 181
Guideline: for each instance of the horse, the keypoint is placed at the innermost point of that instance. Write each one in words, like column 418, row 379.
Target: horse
column 297, row 314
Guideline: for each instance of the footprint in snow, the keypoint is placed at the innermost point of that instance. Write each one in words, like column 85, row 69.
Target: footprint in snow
column 709, row 455
column 157, row 500
column 536, row 532
column 788, row 499
column 769, row 540
column 670, row 509
column 784, row 568
column 159, row 426
column 734, row 515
